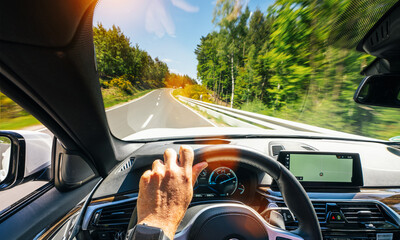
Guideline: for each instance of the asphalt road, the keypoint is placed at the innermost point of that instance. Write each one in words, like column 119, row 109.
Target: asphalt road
column 157, row 109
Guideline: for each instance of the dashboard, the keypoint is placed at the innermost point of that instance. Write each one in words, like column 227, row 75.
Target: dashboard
column 356, row 211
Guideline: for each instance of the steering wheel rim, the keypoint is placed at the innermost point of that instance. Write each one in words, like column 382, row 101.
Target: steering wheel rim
column 292, row 192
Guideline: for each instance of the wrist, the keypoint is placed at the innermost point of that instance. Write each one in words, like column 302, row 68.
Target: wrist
column 168, row 229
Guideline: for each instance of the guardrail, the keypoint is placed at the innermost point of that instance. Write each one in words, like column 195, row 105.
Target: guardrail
column 240, row 118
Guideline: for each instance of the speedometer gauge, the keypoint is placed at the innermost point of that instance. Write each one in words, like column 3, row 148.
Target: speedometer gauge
column 224, row 181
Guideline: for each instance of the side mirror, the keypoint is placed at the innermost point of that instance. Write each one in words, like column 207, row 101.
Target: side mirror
column 379, row 90
column 23, row 156
column 5, row 157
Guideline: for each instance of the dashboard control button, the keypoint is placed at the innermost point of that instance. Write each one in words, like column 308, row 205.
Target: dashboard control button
column 335, row 217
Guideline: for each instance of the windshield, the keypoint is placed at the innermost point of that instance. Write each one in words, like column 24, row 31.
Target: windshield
column 268, row 65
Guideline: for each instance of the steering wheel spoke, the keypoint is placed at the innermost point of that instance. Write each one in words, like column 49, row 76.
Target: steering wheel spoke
column 280, row 234
column 228, row 221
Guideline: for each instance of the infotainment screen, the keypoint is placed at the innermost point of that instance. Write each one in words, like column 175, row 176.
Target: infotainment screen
column 323, row 168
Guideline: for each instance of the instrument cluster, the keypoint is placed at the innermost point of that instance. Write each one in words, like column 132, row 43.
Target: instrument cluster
column 225, row 181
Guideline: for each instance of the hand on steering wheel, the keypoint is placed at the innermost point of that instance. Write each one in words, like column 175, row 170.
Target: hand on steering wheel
column 166, row 190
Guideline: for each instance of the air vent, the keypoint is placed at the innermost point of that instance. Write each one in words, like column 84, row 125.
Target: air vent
column 128, row 164
column 353, row 212
column 362, row 212
column 276, row 149
column 320, row 209
column 117, row 216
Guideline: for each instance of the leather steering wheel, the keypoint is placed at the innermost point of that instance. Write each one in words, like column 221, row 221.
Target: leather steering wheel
column 228, row 221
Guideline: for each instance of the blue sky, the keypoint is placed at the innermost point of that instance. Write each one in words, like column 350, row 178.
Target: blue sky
column 167, row 29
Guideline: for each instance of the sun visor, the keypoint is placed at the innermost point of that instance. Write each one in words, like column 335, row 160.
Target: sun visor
column 47, row 23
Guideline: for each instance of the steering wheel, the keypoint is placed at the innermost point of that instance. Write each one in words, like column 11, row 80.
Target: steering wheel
column 229, row 221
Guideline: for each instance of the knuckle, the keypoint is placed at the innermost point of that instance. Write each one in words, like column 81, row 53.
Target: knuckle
column 158, row 173
column 170, row 173
column 157, row 164
column 170, row 151
column 186, row 179
column 146, row 175
column 155, row 176
column 186, row 149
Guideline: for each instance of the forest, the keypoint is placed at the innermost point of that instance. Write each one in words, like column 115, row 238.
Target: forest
column 126, row 71
column 281, row 62
column 118, row 59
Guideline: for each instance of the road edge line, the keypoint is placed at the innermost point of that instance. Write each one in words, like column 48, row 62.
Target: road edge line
column 124, row 104
column 170, row 93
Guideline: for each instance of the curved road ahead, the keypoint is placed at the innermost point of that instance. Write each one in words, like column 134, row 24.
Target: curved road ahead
column 157, row 109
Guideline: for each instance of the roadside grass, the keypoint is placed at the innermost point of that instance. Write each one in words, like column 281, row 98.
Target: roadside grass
column 18, row 122
column 217, row 121
column 114, row 96
column 377, row 123
column 111, row 97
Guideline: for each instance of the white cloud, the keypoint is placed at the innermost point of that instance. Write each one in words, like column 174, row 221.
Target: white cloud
column 184, row 6
column 153, row 15
column 158, row 21
column 167, row 60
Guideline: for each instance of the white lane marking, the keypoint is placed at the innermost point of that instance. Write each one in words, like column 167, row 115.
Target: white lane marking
column 147, row 121
column 157, row 104
column 170, row 93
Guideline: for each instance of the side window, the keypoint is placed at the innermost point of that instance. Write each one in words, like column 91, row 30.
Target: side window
column 25, row 155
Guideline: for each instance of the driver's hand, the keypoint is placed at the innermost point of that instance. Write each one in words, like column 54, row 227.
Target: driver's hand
column 166, row 191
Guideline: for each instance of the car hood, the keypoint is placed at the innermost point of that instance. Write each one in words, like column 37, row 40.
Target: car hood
column 155, row 134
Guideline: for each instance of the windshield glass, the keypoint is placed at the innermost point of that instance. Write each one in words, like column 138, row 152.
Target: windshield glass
column 266, row 65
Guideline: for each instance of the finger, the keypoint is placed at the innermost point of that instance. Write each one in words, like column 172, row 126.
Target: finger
column 186, row 156
column 145, row 179
column 170, row 158
column 196, row 170
column 158, row 171
column 158, row 166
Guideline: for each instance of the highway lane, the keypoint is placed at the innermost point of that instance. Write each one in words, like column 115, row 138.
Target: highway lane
column 157, row 109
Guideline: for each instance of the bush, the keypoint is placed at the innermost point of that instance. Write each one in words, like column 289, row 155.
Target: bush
column 121, row 83
column 194, row 91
